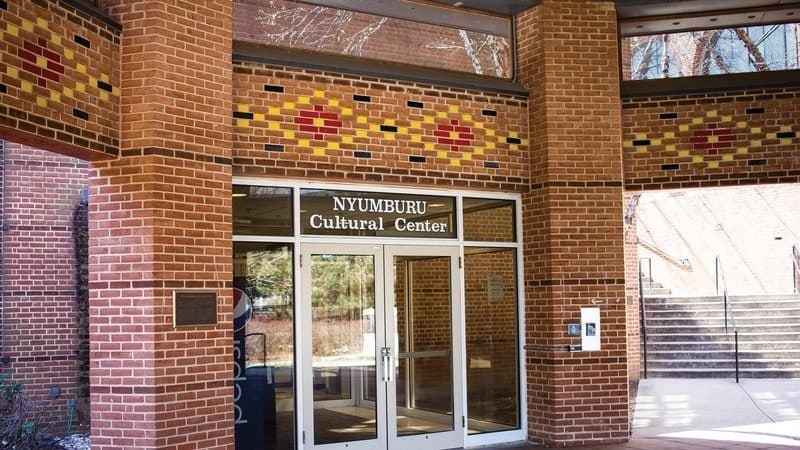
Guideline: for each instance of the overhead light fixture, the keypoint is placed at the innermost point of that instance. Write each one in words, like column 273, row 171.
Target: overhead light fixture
column 239, row 194
column 456, row 4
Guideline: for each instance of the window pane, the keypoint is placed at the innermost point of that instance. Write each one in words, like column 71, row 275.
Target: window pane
column 489, row 220
column 262, row 210
column 492, row 339
column 264, row 345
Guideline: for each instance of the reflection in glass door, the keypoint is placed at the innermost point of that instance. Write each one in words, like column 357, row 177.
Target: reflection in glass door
column 385, row 364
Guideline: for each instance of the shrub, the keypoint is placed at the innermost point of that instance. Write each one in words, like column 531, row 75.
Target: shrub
column 17, row 429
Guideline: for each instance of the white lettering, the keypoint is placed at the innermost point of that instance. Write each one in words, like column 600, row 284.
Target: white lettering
column 314, row 221
column 338, row 204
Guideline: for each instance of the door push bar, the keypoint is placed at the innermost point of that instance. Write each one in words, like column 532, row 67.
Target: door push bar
column 386, row 357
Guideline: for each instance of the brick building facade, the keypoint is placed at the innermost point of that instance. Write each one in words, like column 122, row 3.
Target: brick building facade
column 166, row 118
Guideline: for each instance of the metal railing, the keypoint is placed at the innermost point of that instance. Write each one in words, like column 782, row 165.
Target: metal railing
column 796, row 269
column 642, row 316
column 728, row 308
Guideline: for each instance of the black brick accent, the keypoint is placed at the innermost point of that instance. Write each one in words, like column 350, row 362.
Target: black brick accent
column 511, row 140
column 489, row 112
column 754, row 111
column 273, row 88
column 2, row 88
column 273, row 147
column 80, row 114
column 390, row 128
column 415, row 104
column 641, row 142
column 362, row 98
column 3, row 5
column 362, row 154
column 757, row 162
column 80, row 40
column 104, row 86
column 491, row 164
column 786, row 134
column 670, row 166
column 243, row 115
column 672, row 115
column 416, row 159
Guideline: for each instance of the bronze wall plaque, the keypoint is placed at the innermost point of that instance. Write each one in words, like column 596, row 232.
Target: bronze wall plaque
column 191, row 308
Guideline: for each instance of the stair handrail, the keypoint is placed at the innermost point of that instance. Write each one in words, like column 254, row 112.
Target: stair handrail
column 642, row 312
column 796, row 269
column 728, row 309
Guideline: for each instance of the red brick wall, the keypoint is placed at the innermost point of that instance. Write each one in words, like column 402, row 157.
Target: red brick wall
column 39, row 312
column 59, row 79
column 572, row 222
column 316, row 130
column 714, row 139
column 160, row 221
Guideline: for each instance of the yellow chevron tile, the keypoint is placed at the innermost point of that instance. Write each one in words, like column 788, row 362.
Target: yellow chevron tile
column 741, row 150
column 333, row 102
column 467, row 156
column 361, row 119
column 655, row 142
column 347, row 111
column 478, row 150
column 12, row 72
column 713, row 164
column 786, row 128
column 374, row 127
column 41, row 101
column 670, row 148
column 389, row 122
column 683, row 153
column 319, row 152
column 727, row 118
column 26, row 87
column 772, row 135
column 402, row 130
column 389, row 136
column 490, row 145
column 259, row 117
column 428, row 119
column 361, row 133
column 304, row 143
column 68, row 92
column 513, row 134
column 478, row 125
column 274, row 125
column 288, row 134
column 627, row 144
column 786, row 141
column 416, row 138
column 466, row 117
column 319, row 122
column 12, row 30
column 524, row 141
column 713, row 139
column 441, row 154
column 683, row 127
column 243, row 107
column 755, row 143
column 641, row 136
column 489, row 132
column 242, row 123
column 27, row 25
column 513, row 147
column 416, row 124
column 55, row 96
column 455, row 162
column 669, row 135
column 641, row 149
column 697, row 120
column 104, row 78
column 115, row 91
column 727, row 157
column 697, row 159
column 454, row 135
column 319, row 94
column 333, row 145
column 104, row 96
column 54, row 38
column 347, row 139
column 303, row 100
column 274, row 111
column 288, row 105
column 711, row 113
column 80, row 87
column 741, row 124
column 441, row 114
column 80, row 68
column 41, row 23
column 41, row 61
column 755, row 130
column 452, row 108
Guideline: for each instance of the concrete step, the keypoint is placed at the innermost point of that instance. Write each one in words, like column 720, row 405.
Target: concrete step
column 722, row 373
column 719, row 312
column 720, row 329
column 711, row 363
column 727, row 354
column 741, row 322
column 744, row 346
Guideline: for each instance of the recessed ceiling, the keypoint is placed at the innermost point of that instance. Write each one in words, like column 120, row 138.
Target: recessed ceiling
column 502, row 7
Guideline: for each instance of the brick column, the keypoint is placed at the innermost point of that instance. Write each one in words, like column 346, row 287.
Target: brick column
column 573, row 222
column 160, row 219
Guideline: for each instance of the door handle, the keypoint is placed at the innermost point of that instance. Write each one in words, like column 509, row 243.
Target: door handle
column 386, row 362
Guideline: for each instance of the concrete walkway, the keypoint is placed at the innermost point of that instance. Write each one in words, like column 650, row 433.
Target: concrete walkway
column 718, row 414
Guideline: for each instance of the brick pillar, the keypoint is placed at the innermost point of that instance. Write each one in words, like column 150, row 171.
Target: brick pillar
column 573, row 222
column 160, row 220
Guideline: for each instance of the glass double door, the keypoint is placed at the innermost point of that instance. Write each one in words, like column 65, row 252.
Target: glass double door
column 381, row 352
